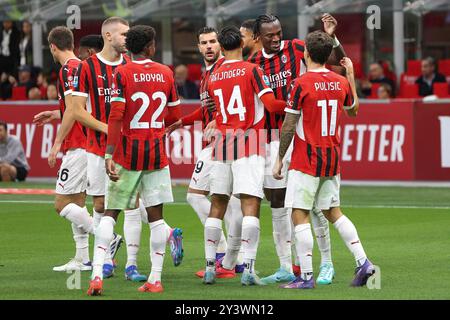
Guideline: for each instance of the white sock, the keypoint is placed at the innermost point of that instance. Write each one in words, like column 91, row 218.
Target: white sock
column 81, row 239
column 143, row 212
column 79, row 216
column 97, row 216
column 304, row 244
column 213, row 229
column 103, row 237
column 158, row 240
column 293, row 248
column 349, row 234
column 201, row 205
column 250, row 241
column 282, row 236
column 234, row 233
column 322, row 232
column 132, row 228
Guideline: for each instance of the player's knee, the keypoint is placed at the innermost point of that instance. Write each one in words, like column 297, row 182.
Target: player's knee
column 99, row 205
column 277, row 200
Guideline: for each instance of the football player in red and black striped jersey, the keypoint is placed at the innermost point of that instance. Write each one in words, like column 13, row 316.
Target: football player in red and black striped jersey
column 282, row 62
column 144, row 99
column 317, row 100
column 71, row 183
column 198, row 191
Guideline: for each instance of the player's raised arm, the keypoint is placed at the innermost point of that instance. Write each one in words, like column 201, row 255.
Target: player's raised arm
column 329, row 26
column 351, row 107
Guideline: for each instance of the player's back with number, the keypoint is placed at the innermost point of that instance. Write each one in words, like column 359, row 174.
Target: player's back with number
column 147, row 88
column 320, row 97
column 236, row 87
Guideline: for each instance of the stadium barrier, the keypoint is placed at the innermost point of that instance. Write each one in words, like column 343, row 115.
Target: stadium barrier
column 398, row 140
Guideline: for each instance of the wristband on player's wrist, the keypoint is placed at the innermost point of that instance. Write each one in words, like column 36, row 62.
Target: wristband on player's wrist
column 336, row 42
column 108, row 156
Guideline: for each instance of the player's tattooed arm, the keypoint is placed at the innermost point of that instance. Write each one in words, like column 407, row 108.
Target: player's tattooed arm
column 287, row 133
column 352, row 110
column 330, row 25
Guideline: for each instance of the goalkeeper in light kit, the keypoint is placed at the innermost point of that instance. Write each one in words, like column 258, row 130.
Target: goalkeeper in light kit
column 144, row 99
column 313, row 113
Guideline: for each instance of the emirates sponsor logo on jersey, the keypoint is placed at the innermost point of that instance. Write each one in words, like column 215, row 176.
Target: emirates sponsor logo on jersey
column 279, row 79
column 107, row 93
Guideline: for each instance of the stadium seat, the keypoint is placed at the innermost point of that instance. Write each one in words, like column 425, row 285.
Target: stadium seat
column 441, row 90
column 359, row 74
column 444, row 67
column 414, row 67
column 194, row 72
column 19, row 93
column 406, row 79
column 410, row 91
column 374, row 91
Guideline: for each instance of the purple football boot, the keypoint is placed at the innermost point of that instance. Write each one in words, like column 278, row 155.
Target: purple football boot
column 363, row 273
column 300, row 283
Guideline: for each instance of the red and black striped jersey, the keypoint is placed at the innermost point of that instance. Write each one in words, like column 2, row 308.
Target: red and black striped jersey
column 76, row 138
column 319, row 96
column 94, row 80
column 207, row 115
column 148, row 93
column 237, row 87
column 281, row 68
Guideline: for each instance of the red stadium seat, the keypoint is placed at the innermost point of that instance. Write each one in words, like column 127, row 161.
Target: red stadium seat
column 441, row 90
column 194, row 72
column 374, row 91
column 409, row 91
column 444, row 67
column 19, row 93
column 359, row 74
column 414, row 67
column 406, row 79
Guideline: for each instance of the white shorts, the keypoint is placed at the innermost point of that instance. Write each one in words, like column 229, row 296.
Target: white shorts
column 154, row 188
column 305, row 191
column 72, row 176
column 271, row 157
column 202, row 172
column 242, row 176
column 96, row 175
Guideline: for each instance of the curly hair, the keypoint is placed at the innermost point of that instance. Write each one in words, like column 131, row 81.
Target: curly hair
column 139, row 37
column 265, row 18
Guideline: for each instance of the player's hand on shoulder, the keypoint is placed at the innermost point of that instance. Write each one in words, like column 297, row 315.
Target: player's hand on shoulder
column 347, row 63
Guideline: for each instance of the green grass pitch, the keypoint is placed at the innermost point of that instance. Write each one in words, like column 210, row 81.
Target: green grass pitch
column 405, row 231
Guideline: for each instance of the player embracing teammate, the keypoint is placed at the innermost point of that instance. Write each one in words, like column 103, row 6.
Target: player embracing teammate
column 313, row 112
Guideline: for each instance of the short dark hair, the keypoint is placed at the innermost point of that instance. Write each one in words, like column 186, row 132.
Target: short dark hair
column 206, row 30
column 4, row 125
column 249, row 24
column 94, row 41
column 112, row 20
column 319, row 46
column 230, row 38
column 264, row 18
column 139, row 37
column 61, row 37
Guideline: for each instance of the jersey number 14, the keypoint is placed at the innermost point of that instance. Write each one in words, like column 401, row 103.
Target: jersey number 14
column 234, row 106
